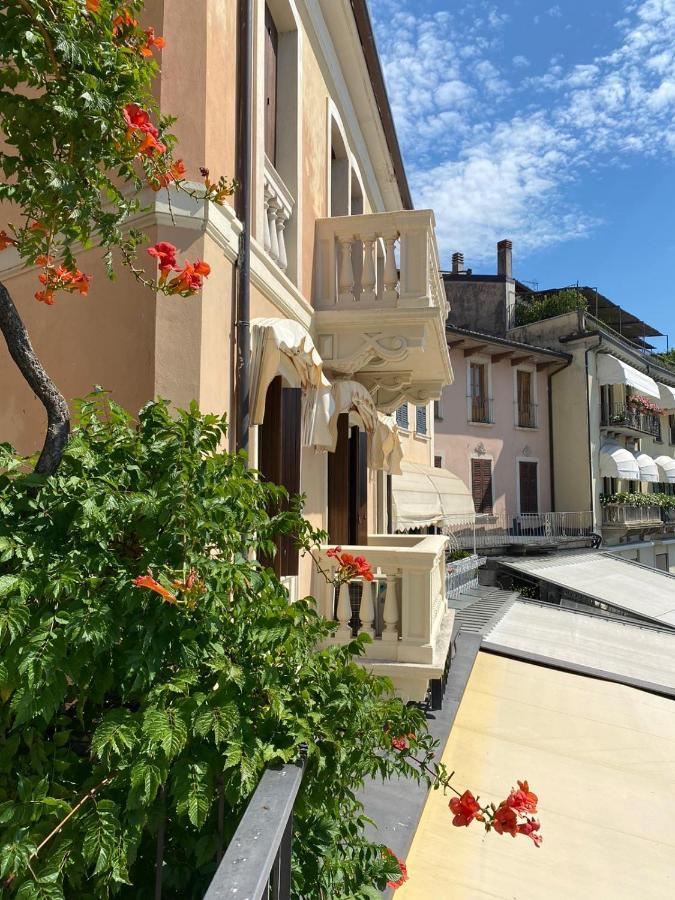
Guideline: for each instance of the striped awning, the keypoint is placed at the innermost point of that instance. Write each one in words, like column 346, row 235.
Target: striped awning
column 648, row 468
column 666, row 467
column 612, row 370
column 617, row 462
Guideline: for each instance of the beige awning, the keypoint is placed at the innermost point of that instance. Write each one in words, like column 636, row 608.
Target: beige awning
column 385, row 450
column 666, row 467
column 342, row 397
column 612, row 370
column 281, row 347
column 424, row 495
column 667, row 396
column 647, row 466
column 617, row 462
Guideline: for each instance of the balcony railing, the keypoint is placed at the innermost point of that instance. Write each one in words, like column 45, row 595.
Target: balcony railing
column 526, row 414
column 503, row 529
column 402, row 609
column 257, row 862
column 480, row 410
column 462, row 574
column 622, row 515
column 381, row 260
column 621, row 415
column 278, row 210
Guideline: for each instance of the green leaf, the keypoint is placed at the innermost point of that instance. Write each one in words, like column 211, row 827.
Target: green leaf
column 116, row 734
column 8, row 583
column 192, row 790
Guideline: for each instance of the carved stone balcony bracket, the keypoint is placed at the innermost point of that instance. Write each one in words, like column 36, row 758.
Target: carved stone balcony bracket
column 390, row 389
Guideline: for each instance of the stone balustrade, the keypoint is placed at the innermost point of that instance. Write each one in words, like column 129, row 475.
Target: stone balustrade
column 384, row 260
column 403, row 610
column 278, row 210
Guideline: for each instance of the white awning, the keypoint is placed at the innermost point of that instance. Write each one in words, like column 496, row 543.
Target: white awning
column 424, row 495
column 666, row 467
column 648, row 469
column 667, row 396
column 617, row 462
column 386, row 451
column 615, row 371
column 281, row 347
column 345, row 396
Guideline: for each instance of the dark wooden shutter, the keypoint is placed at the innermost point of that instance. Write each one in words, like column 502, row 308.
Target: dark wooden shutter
column 338, row 485
column 481, row 485
column 271, row 56
column 279, row 458
column 358, row 487
column 528, row 487
column 421, row 419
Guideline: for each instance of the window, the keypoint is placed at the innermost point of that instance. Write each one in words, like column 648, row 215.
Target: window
column 525, row 399
column 348, row 485
column 662, row 562
column 421, row 419
column 481, row 485
column 402, row 416
column 438, row 462
column 671, row 428
column 527, row 477
column 438, row 410
column 480, row 406
column 271, row 66
column 279, row 459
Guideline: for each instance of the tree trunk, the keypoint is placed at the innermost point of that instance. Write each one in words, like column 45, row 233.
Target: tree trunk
column 21, row 351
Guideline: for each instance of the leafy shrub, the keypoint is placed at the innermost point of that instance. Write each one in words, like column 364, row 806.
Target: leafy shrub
column 151, row 712
column 550, row 305
column 456, row 555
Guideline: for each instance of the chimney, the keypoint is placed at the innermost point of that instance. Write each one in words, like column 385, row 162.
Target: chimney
column 457, row 263
column 504, row 259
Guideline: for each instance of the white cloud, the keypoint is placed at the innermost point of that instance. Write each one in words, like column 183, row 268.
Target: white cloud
column 496, row 159
column 555, row 12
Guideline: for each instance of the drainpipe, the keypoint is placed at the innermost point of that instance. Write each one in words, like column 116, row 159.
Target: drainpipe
column 550, row 430
column 243, row 203
column 588, row 423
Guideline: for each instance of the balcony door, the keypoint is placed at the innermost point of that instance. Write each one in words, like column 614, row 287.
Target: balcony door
column 478, row 392
column 525, row 400
column 271, row 69
column 279, row 459
column 348, row 486
column 528, row 476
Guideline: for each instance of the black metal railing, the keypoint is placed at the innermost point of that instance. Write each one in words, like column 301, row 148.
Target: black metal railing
column 526, row 414
column 480, row 410
column 257, row 862
column 627, row 416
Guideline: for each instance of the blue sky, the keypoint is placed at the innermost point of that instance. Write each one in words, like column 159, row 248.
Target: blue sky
column 552, row 124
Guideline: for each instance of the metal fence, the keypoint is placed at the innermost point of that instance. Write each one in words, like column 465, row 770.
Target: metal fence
column 502, row 529
column 257, row 862
column 462, row 574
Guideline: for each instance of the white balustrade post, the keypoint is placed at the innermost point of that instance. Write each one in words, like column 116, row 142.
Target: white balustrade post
column 272, row 223
column 344, row 614
column 367, row 608
column 368, row 277
column 281, row 240
column 390, row 270
column 346, row 276
column 390, row 614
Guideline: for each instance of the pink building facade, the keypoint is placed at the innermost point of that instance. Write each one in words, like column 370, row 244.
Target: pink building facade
column 492, row 425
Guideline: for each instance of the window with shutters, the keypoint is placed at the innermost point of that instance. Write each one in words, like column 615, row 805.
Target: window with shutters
column 479, row 402
column 279, row 459
column 481, row 485
column 525, row 406
column 402, row 416
column 421, row 419
column 529, row 491
column 271, row 70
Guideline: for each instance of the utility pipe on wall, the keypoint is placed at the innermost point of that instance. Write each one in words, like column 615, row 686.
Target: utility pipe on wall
column 243, row 205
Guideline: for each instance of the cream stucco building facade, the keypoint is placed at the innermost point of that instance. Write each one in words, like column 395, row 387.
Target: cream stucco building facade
column 346, row 302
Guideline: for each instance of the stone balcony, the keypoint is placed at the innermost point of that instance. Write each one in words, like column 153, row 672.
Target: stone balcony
column 404, row 610
column 380, row 305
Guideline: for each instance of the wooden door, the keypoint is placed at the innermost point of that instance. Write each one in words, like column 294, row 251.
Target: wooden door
column 528, row 487
column 279, row 459
column 481, row 485
column 358, row 487
column 271, row 65
column 338, row 485
column 524, row 390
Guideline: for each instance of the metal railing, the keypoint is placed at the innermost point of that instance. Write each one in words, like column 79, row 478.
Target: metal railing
column 626, row 416
column 502, row 529
column 526, row 414
column 624, row 515
column 480, row 410
column 462, row 574
column 257, row 862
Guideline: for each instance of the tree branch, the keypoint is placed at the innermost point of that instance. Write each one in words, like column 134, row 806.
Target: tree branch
column 21, row 351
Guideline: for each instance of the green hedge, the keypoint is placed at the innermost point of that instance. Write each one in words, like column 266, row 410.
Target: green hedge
column 552, row 305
